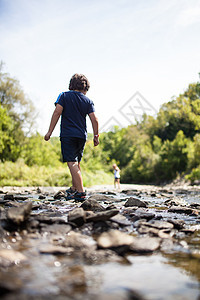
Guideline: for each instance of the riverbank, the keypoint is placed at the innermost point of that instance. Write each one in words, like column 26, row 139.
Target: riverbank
column 105, row 188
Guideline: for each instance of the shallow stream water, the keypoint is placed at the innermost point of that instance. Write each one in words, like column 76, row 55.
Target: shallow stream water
column 160, row 275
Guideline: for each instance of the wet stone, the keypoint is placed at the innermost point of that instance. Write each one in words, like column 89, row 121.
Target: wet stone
column 144, row 244
column 195, row 205
column 92, row 204
column 114, row 238
column 181, row 210
column 79, row 241
column 142, row 214
column 9, row 197
column 121, row 220
column 130, row 192
column 19, row 214
column 59, row 195
column 9, row 284
column 167, row 245
column 10, row 203
column 100, row 197
column 102, row 216
column 20, row 198
column 160, row 224
column 178, row 224
column 175, row 202
column 101, row 226
column 41, row 197
column 135, row 202
column 77, row 216
column 101, row 256
column 56, row 228
column 9, row 257
column 50, row 219
column 51, row 249
column 111, row 206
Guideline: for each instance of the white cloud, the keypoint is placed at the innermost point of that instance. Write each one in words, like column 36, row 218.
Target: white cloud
column 189, row 16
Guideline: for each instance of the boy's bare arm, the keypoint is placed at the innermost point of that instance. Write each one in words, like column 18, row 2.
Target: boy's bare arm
column 95, row 126
column 54, row 119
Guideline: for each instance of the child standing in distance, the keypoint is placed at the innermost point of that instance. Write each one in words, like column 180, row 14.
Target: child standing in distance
column 116, row 176
column 73, row 106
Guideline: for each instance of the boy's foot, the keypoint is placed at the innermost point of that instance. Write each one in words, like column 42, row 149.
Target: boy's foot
column 70, row 191
column 79, row 196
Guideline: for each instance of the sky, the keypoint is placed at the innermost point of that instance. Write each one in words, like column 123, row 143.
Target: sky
column 149, row 48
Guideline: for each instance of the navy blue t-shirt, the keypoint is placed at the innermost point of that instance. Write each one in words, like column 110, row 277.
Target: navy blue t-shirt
column 76, row 106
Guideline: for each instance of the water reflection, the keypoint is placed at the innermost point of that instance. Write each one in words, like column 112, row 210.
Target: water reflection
column 153, row 277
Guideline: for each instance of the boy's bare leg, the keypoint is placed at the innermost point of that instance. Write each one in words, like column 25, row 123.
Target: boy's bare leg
column 75, row 171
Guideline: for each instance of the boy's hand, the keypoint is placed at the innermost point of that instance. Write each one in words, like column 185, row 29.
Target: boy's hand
column 96, row 141
column 47, row 136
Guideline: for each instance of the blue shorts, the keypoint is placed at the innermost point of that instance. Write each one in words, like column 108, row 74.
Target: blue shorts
column 72, row 148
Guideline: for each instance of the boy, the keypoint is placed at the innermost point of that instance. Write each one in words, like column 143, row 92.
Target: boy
column 73, row 107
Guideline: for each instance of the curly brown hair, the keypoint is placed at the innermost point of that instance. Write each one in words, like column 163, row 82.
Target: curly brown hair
column 79, row 82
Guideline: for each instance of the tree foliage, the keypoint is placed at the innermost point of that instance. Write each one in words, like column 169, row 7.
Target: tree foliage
column 154, row 150
column 18, row 116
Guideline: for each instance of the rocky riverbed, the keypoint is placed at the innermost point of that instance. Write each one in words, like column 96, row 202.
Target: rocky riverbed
column 142, row 242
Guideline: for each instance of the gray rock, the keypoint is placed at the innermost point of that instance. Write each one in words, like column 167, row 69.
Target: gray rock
column 79, row 241
column 142, row 214
column 10, row 284
column 175, row 202
column 160, row 224
column 154, row 232
column 130, row 192
column 100, row 197
column 59, row 195
column 181, row 210
column 50, row 219
column 41, row 197
column 20, row 198
column 9, row 197
column 121, row 220
column 102, row 216
column 77, row 216
column 178, row 224
column 156, row 228
column 93, row 205
column 144, row 244
column 148, row 230
column 51, row 249
column 135, row 202
column 101, row 256
column 129, row 211
column 111, row 206
column 195, row 205
column 56, row 228
column 11, row 257
column 167, row 245
column 114, row 238
column 19, row 214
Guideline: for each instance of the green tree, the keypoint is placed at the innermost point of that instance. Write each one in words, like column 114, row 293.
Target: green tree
column 173, row 157
column 141, row 168
column 5, row 130
column 19, row 106
column 20, row 113
column 182, row 113
column 36, row 151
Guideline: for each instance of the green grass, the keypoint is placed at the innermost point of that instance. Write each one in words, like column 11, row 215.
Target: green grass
column 19, row 174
